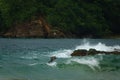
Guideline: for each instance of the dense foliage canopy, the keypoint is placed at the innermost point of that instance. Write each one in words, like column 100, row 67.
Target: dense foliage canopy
column 79, row 17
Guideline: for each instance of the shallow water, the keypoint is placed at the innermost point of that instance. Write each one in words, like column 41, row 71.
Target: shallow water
column 27, row 59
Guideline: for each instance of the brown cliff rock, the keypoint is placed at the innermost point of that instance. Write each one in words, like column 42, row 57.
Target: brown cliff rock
column 34, row 28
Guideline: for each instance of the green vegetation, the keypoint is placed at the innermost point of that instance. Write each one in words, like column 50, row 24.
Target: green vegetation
column 79, row 17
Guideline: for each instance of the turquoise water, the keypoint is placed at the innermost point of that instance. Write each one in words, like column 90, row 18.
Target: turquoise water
column 27, row 59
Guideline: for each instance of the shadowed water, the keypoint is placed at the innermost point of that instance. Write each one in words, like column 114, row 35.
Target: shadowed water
column 27, row 59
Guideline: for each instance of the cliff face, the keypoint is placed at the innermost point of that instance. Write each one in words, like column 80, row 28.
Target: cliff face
column 34, row 28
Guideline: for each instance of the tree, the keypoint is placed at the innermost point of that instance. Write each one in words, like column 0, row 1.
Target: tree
column 78, row 17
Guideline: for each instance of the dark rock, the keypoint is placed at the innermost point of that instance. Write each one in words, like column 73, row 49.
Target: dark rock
column 114, row 52
column 117, row 49
column 52, row 59
column 82, row 52
column 92, row 52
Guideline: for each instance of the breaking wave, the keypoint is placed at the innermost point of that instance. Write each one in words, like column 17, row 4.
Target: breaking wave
column 52, row 64
column 90, row 61
column 100, row 47
column 62, row 53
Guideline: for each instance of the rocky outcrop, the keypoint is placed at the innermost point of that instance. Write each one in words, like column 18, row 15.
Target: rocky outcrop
column 83, row 52
column 34, row 28
column 25, row 30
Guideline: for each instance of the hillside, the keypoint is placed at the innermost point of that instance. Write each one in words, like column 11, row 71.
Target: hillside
column 59, row 18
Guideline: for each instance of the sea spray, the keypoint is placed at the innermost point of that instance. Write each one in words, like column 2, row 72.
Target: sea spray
column 99, row 46
column 30, row 62
column 89, row 61
column 52, row 64
column 62, row 53
column 92, row 61
column 66, row 53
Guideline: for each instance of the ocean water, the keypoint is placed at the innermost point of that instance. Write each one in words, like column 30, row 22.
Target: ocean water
column 27, row 59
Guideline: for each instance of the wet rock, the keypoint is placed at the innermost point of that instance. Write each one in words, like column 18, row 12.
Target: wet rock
column 82, row 52
column 52, row 59
column 117, row 49
column 92, row 52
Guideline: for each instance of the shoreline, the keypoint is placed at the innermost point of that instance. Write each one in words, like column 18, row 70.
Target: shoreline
column 106, row 37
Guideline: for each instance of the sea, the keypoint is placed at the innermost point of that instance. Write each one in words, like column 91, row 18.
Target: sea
column 27, row 59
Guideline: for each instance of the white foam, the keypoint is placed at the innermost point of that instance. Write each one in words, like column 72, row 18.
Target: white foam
column 92, row 62
column 29, row 57
column 62, row 53
column 33, row 64
column 89, row 61
column 52, row 64
column 66, row 53
column 100, row 46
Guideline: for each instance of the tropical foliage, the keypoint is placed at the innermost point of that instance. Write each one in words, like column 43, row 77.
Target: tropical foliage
column 79, row 17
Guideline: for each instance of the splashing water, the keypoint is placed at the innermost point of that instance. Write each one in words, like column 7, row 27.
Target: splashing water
column 62, row 53
column 21, row 61
column 92, row 62
column 52, row 64
column 100, row 47
column 89, row 61
column 85, row 45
